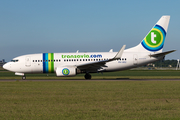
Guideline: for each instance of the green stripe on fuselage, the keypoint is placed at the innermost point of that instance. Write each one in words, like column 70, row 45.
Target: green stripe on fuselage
column 50, row 62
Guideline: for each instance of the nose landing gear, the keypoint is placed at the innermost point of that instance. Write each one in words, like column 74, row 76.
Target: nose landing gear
column 23, row 77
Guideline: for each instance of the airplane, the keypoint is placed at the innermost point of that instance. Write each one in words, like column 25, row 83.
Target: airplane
column 70, row 64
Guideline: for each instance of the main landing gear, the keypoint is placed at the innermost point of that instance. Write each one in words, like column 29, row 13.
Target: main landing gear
column 23, row 77
column 87, row 76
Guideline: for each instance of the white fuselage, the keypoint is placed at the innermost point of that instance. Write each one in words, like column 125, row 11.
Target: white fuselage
column 49, row 62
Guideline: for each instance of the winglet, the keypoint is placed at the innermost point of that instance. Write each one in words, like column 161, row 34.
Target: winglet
column 119, row 54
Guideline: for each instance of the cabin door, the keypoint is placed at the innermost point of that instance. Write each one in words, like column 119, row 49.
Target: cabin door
column 28, row 61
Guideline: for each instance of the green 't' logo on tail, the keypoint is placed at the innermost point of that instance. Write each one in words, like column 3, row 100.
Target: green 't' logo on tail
column 154, row 41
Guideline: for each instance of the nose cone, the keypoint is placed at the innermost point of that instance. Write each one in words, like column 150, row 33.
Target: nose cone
column 6, row 66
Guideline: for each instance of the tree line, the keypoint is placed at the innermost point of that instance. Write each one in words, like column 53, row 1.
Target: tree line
column 164, row 63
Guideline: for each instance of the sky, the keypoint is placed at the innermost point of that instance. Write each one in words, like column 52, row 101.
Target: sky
column 52, row 26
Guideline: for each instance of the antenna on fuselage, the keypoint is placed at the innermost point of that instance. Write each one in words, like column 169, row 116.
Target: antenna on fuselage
column 111, row 50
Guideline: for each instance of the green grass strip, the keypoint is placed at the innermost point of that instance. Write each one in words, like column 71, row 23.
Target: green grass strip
column 89, row 100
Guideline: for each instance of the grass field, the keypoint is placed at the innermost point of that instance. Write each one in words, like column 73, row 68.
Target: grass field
column 89, row 100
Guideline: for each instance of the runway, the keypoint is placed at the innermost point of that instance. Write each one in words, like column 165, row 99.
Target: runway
column 43, row 80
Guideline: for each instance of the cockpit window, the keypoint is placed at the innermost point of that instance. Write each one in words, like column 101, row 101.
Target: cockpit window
column 14, row 60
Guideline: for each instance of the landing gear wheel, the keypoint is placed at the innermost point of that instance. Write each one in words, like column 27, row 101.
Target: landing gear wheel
column 87, row 76
column 23, row 77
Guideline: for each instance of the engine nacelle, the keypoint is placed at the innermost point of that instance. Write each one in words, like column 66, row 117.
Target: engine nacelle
column 66, row 71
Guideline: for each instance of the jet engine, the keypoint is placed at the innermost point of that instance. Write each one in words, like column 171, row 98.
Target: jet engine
column 66, row 71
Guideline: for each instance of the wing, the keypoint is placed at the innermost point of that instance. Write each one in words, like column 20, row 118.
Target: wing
column 94, row 66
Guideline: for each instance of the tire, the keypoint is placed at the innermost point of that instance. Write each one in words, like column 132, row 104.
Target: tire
column 87, row 76
column 23, row 77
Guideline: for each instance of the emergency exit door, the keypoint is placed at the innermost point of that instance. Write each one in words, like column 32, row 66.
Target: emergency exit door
column 135, row 59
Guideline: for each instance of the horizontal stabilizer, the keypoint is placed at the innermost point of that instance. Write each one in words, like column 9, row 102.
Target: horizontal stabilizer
column 162, row 54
